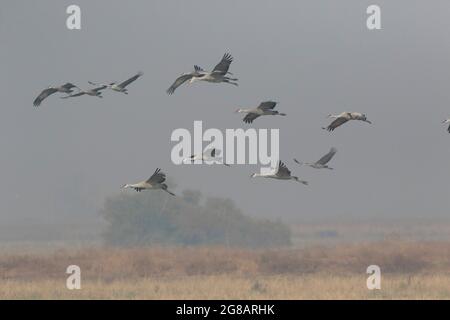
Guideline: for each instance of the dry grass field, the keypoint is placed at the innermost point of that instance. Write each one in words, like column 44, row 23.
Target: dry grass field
column 410, row 270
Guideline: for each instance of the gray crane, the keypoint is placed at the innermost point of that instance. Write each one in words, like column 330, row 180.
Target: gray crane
column 94, row 92
column 342, row 118
column 218, row 75
column 65, row 88
column 156, row 181
column 281, row 172
column 322, row 162
column 121, row 87
column 264, row 109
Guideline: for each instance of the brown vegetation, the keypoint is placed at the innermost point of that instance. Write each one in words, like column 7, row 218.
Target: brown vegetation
column 311, row 286
column 104, row 263
column 409, row 270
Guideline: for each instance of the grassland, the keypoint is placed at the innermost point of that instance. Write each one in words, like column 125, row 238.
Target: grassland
column 410, row 270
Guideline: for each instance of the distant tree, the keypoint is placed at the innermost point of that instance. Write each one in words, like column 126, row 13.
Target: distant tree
column 157, row 218
column 192, row 196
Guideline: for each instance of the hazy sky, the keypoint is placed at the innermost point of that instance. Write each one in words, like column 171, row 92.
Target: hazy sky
column 313, row 57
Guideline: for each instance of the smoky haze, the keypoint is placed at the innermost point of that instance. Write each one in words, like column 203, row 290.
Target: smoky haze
column 60, row 161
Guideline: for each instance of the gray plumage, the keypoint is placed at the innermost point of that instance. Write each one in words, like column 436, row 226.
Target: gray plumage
column 66, row 88
column 322, row 162
column 447, row 121
column 94, row 92
column 156, row 181
column 343, row 118
column 121, row 87
column 218, row 75
column 281, row 172
column 208, row 155
column 264, row 109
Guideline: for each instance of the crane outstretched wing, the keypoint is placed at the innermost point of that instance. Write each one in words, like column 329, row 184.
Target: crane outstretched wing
column 68, row 86
column 43, row 95
column 223, row 66
column 267, row 105
column 133, row 78
column 74, row 95
column 336, row 123
column 102, row 87
column 178, row 82
column 198, row 69
column 283, row 171
column 250, row 117
column 157, row 177
column 213, row 153
column 326, row 158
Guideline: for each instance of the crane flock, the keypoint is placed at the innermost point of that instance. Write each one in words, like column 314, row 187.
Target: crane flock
column 96, row 91
column 219, row 74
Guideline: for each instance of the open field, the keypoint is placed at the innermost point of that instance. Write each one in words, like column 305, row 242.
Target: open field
column 311, row 286
column 410, row 270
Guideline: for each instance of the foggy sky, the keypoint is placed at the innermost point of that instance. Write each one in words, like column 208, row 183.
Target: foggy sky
column 314, row 57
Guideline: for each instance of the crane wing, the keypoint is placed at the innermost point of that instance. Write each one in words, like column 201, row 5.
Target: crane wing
column 157, row 177
column 326, row 158
column 250, row 117
column 74, row 95
column 210, row 152
column 336, row 123
column 283, row 171
column 267, row 105
column 100, row 88
column 68, row 86
column 223, row 66
column 198, row 69
column 133, row 78
column 44, row 94
column 178, row 82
